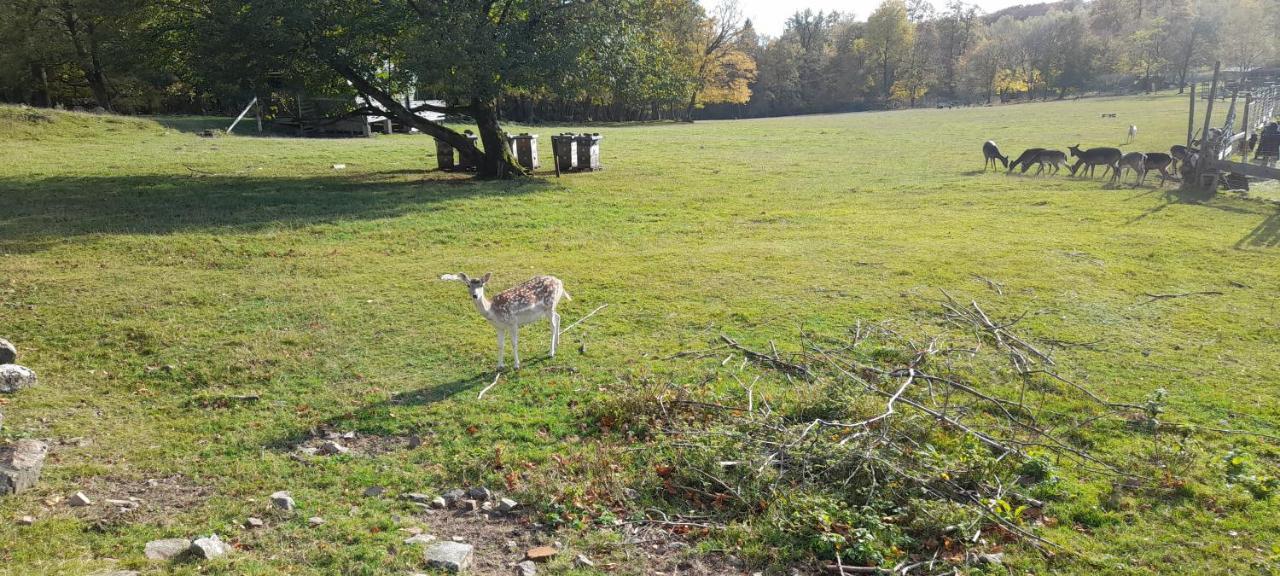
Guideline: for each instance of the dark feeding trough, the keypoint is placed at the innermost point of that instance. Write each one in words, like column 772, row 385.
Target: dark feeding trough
column 577, row 152
column 449, row 160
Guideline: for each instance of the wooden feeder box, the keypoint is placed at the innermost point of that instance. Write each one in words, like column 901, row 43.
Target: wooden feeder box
column 444, row 155
column 526, row 150
column 464, row 163
column 589, row 152
column 565, row 149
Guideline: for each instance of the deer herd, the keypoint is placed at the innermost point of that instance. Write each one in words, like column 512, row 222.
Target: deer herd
column 1114, row 160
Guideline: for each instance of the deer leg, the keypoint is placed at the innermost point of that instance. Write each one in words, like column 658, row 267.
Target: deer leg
column 502, row 347
column 515, row 345
column 555, row 332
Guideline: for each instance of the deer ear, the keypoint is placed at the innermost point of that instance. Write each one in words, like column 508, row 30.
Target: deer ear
column 463, row 277
column 485, row 279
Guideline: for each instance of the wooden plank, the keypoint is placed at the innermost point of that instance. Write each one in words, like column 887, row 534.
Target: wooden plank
column 1247, row 169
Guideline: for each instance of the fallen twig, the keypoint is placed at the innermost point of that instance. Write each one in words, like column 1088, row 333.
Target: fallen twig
column 1154, row 297
column 496, row 376
column 580, row 320
column 766, row 359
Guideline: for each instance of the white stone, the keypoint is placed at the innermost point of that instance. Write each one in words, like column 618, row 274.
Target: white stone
column 449, row 556
column 167, row 549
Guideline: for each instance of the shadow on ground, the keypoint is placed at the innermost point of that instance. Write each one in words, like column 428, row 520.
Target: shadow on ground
column 41, row 212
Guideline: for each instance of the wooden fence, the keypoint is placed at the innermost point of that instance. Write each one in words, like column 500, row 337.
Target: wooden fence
column 1219, row 146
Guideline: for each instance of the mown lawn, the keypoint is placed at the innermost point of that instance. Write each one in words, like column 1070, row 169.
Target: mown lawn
column 150, row 276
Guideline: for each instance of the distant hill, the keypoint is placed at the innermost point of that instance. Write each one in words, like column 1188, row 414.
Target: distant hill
column 1025, row 11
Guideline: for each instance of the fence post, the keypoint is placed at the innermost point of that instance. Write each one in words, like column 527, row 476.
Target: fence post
column 1248, row 128
column 1191, row 118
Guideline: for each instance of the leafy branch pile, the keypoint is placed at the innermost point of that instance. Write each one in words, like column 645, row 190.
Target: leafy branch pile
column 875, row 452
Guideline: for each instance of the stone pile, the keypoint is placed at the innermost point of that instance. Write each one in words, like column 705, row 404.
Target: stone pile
column 21, row 461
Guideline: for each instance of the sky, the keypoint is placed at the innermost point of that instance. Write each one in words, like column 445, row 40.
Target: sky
column 770, row 16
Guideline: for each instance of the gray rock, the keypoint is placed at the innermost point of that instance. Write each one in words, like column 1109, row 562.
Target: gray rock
column 27, row 520
column 423, row 539
column 415, row 441
column 252, row 522
column 14, row 378
column 453, row 496
column 283, row 501
column 439, row 502
column 8, row 352
column 209, row 548
column 480, row 493
column 469, row 505
column 167, row 549
column 526, row 568
column 418, row 497
column 583, row 562
column 79, row 499
column 996, row 559
column 315, row 520
column 331, row 448
column 507, row 505
column 373, row 491
column 449, row 556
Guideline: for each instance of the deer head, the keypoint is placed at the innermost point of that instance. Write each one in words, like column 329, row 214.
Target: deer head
column 474, row 285
column 1075, row 150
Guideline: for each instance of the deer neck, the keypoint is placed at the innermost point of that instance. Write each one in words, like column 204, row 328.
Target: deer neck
column 485, row 307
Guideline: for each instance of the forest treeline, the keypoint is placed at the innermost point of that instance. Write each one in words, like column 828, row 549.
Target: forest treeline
column 661, row 59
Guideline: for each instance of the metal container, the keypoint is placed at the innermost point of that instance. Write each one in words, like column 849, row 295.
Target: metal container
column 588, row 152
column 526, row 150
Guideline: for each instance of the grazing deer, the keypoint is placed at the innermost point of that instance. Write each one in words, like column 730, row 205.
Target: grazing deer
column 1180, row 154
column 1133, row 134
column 537, row 298
column 991, row 153
column 1135, row 161
column 1027, row 158
column 1159, row 161
column 1056, row 159
column 1094, row 157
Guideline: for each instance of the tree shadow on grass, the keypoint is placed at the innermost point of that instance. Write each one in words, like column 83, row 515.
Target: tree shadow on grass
column 1174, row 196
column 1265, row 235
column 375, row 419
column 39, row 213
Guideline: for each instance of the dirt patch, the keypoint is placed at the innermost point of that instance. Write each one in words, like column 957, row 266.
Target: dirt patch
column 119, row 501
column 500, row 541
column 333, row 443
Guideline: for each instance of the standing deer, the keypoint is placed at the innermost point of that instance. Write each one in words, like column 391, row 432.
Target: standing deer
column 991, row 153
column 1180, row 154
column 1135, row 161
column 1055, row 159
column 1027, row 158
column 1133, row 134
column 1159, row 161
column 537, row 298
column 1094, row 157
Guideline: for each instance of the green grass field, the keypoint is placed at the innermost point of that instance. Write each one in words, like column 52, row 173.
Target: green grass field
column 150, row 276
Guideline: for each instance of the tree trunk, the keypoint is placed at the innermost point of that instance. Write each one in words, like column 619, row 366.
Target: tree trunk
column 87, row 58
column 40, row 91
column 505, row 166
column 498, row 162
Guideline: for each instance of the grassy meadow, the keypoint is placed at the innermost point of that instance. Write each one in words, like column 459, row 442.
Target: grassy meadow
column 155, row 279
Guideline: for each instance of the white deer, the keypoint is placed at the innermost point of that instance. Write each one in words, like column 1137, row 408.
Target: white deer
column 1133, row 134
column 537, row 298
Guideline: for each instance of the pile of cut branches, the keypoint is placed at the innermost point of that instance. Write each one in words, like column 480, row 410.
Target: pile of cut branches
column 875, row 451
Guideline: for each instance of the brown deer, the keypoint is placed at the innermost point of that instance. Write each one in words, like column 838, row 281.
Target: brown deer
column 991, row 153
column 1026, row 159
column 1161, row 162
column 1135, row 161
column 1180, row 154
column 1094, row 157
column 537, row 298
column 1055, row 159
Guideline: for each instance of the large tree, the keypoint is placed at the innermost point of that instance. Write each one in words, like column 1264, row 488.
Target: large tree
column 469, row 53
